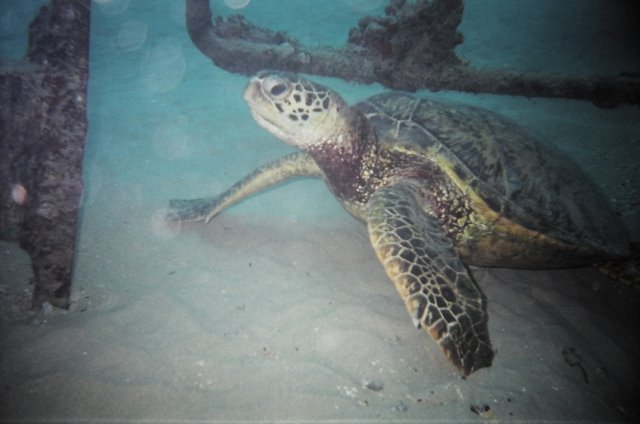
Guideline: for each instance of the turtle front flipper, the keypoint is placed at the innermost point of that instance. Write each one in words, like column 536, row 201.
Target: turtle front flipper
column 294, row 165
column 437, row 288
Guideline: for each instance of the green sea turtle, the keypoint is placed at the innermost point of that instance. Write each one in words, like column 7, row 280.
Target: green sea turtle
column 439, row 186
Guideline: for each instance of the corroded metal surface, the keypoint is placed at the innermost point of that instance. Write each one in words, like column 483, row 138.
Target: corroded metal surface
column 43, row 127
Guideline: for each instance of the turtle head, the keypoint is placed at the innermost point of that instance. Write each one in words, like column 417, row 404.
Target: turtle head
column 299, row 112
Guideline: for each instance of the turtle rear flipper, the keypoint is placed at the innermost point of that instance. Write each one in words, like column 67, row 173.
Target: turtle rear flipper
column 627, row 270
column 438, row 290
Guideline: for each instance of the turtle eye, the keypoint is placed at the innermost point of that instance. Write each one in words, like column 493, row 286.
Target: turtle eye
column 278, row 89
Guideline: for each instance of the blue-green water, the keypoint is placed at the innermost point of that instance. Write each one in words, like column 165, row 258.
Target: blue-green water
column 278, row 309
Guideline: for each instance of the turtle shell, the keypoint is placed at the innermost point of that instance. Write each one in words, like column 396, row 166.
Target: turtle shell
column 519, row 178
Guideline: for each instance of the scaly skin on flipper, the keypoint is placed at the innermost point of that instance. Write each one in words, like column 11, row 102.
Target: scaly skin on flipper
column 434, row 283
column 297, row 164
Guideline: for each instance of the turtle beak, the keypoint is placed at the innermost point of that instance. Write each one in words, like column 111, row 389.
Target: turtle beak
column 262, row 106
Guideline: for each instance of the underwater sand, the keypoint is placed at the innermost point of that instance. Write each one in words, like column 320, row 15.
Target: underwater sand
column 278, row 309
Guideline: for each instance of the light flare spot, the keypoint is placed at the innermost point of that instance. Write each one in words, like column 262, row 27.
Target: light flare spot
column 112, row 7
column 19, row 194
column 365, row 5
column 237, row 4
column 163, row 226
column 171, row 142
column 163, row 66
column 131, row 36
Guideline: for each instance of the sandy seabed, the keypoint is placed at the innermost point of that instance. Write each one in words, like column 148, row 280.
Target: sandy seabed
column 278, row 310
column 296, row 321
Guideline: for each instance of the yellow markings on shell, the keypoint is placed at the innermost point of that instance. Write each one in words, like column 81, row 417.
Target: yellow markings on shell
column 491, row 235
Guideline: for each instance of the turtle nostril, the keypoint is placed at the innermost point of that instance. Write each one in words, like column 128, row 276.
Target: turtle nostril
column 278, row 89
